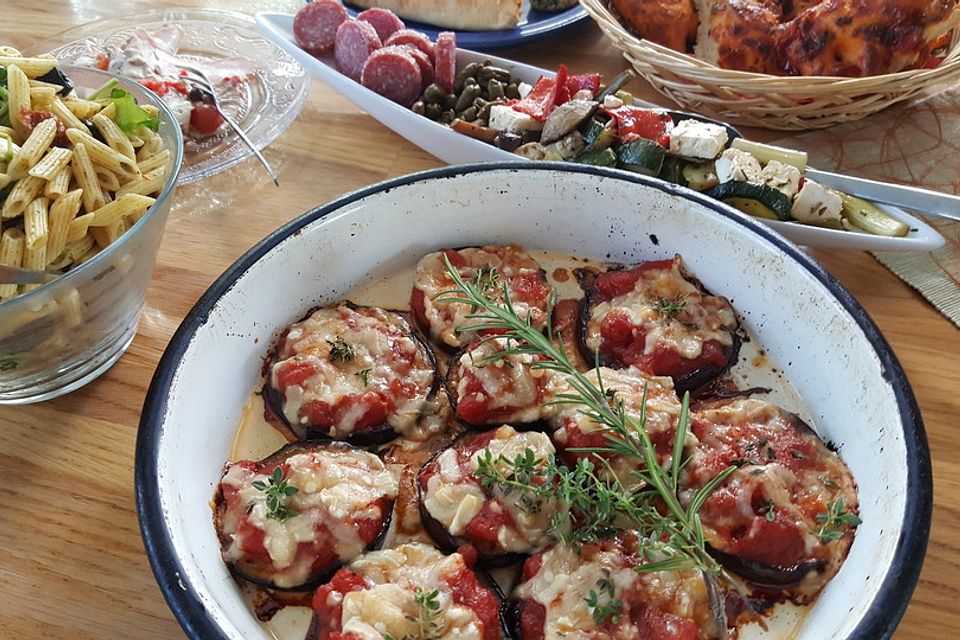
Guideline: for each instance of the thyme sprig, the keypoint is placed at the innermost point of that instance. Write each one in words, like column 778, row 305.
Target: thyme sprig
column 429, row 618
column 611, row 607
column 340, row 349
column 835, row 521
column 277, row 490
column 594, row 504
column 669, row 308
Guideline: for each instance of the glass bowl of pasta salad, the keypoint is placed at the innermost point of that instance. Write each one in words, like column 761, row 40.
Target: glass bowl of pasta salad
column 88, row 166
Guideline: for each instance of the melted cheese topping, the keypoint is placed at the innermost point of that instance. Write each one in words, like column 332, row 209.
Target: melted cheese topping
column 454, row 495
column 510, row 388
column 703, row 317
column 335, row 488
column 387, row 606
column 566, row 578
column 445, row 318
column 384, row 353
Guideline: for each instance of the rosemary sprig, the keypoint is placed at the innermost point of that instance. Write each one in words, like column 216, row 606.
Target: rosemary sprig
column 429, row 618
column 340, row 349
column 364, row 375
column 278, row 490
column 835, row 521
column 673, row 536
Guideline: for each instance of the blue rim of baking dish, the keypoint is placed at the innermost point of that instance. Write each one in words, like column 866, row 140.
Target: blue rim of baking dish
column 884, row 613
column 534, row 26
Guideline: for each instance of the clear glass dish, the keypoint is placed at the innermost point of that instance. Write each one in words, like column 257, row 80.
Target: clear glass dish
column 268, row 100
column 67, row 332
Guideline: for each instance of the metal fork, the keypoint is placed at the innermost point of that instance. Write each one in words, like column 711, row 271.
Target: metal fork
column 199, row 78
column 17, row 275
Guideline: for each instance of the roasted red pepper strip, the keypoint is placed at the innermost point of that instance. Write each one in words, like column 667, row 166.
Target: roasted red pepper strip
column 580, row 81
column 634, row 123
column 560, row 92
column 544, row 96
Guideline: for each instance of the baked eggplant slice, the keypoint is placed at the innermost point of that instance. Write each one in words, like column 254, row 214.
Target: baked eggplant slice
column 487, row 389
column 292, row 519
column 348, row 372
column 573, row 429
column 410, row 591
column 785, row 519
column 490, row 268
column 594, row 592
column 458, row 509
column 659, row 319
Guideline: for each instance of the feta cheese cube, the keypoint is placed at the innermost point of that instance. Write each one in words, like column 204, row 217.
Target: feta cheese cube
column 741, row 166
column 524, row 89
column 693, row 139
column 505, row 118
column 815, row 203
column 612, row 102
column 782, row 177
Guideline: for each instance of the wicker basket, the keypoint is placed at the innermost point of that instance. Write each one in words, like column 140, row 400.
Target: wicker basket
column 772, row 102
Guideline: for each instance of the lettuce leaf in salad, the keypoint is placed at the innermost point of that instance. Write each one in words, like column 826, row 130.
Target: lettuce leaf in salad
column 4, row 99
column 129, row 114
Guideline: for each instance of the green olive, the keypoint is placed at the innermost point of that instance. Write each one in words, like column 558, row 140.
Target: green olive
column 469, row 71
column 419, row 108
column 512, row 91
column 485, row 74
column 434, row 93
column 449, row 101
column 469, row 114
column 470, row 93
column 447, row 116
column 433, row 110
column 495, row 89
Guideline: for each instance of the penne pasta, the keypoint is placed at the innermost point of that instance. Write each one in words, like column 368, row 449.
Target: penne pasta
column 59, row 183
column 31, row 67
column 72, row 307
column 35, row 258
column 76, row 250
column 103, row 155
column 42, row 96
column 149, row 183
column 77, row 228
column 82, row 109
column 53, row 163
column 107, row 179
column 86, row 177
column 62, row 212
column 131, row 204
column 161, row 159
column 35, row 223
column 18, row 98
column 33, row 149
column 11, row 255
column 114, row 136
column 23, row 193
column 65, row 115
column 104, row 236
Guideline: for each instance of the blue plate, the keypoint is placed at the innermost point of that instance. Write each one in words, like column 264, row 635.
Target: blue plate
column 534, row 25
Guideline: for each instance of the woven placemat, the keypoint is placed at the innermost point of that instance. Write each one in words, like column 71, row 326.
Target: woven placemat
column 917, row 143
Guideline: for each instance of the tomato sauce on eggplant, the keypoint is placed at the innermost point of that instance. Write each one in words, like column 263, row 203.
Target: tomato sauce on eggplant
column 657, row 318
column 288, row 521
column 490, row 268
column 458, row 510
column 349, row 372
column 595, row 592
column 770, row 520
column 376, row 596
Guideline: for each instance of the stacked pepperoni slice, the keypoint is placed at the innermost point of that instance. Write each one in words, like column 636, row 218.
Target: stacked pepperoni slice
column 377, row 50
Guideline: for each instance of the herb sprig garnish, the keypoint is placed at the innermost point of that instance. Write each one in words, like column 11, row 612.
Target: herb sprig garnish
column 429, row 618
column 610, row 608
column 668, row 308
column 835, row 521
column 340, row 349
column 594, row 504
column 278, row 490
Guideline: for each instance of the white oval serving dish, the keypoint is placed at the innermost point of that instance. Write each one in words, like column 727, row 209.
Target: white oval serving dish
column 813, row 331
column 454, row 148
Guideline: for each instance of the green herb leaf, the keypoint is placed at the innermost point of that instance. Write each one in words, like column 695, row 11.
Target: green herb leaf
column 129, row 114
column 4, row 105
column 364, row 375
column 604, row 611
column 835, row 521
column 340, row 350
column 277, row 490
column 668, row 308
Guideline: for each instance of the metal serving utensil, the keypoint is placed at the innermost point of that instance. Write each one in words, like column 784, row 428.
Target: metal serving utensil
column 199, row 78
column 16, row 275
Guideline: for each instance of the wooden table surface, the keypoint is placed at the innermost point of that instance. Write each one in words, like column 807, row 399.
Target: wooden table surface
column 71, row 559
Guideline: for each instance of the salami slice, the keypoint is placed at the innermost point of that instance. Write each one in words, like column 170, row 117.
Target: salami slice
column 315, row 25
column 393, row 73
column 446, row 59
column 384, row 21
column 426, row 66
column 413, row 38
column 355, row 42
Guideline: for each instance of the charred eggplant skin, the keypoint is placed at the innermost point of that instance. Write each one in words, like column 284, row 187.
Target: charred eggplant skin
column 285, row 452
column 451, row 381
column 688, row 382
column 762, row 575
column 273, row 400
column 440, row 534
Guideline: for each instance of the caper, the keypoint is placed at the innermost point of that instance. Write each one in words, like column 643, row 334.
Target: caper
column 495, row 89
column 512, row 91
column 470, row 82
column 480, row 103
column 434, row 93
column 433, row 110
column 469, row 114
column 470, row 93
column 485, row 74
column 469, row 71
column 419, row 108
column 447, row 116
column 448, row 101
